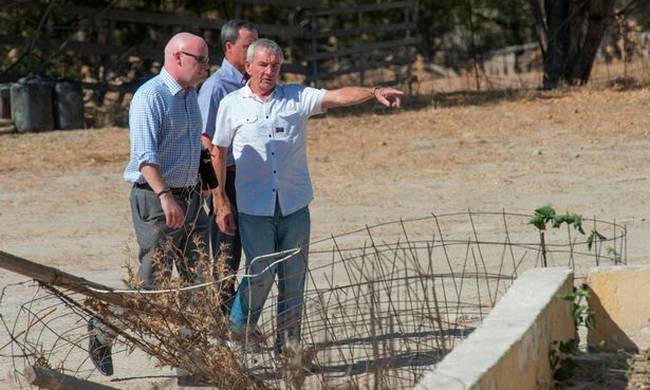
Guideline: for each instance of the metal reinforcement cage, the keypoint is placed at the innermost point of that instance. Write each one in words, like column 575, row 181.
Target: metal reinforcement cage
column 382, row 304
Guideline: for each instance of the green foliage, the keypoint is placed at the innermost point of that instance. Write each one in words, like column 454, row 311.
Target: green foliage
column 446, row 27
column 542, row 216
column 546, row 214
column 593, row 237
column 569, row 219
column 559, row 357
column 581, row 313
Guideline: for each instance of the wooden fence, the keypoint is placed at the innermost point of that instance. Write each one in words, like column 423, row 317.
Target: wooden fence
column 322, row 44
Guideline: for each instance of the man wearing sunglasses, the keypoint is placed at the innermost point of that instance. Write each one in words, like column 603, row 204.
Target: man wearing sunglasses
column 165, row 132
column 236, row 36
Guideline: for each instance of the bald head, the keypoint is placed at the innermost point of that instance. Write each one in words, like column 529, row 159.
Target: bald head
column 186, row 58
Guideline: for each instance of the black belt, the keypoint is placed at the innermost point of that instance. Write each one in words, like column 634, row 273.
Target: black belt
column 174, row 190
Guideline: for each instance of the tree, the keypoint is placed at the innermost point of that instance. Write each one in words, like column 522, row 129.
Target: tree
column 569, row 34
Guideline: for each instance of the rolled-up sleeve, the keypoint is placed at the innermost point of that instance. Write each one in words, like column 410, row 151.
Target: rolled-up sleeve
column 145, row 129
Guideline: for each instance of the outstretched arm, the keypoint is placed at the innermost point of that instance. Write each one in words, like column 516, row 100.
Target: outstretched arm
column 350, row 96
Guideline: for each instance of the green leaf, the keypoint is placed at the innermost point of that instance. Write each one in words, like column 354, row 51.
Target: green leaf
column 577, row 312
column 568, row 346
column 569, row 219
column 538, row 221
column 577, row 223
column 583, row 292
column 590, row 240
column 558, row 219
column 593, row 236
column 611, row 251
column 567, row 297
column 547, row 212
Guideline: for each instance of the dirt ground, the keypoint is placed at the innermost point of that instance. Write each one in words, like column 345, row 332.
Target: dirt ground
column 63, row 201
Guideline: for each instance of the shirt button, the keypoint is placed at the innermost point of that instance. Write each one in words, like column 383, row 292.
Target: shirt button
column 272, row 153
column 267, row 117
column 274, row 190
column 269, row 135
column 275, row 172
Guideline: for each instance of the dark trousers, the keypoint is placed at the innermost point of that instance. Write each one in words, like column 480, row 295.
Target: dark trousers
column 161, row 247
column 226, row 247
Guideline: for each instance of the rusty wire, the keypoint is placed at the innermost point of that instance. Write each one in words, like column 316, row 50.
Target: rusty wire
column 382, row 304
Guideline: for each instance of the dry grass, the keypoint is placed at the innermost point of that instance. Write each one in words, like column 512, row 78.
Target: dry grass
column 182, row 329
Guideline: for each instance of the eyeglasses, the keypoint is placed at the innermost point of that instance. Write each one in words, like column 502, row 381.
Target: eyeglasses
column 203, row 60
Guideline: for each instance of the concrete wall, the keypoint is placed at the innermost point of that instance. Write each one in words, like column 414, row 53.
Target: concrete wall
column 510, row 348
column 620, row 299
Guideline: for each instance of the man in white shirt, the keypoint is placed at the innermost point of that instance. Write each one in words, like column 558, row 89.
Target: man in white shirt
column 266, row 125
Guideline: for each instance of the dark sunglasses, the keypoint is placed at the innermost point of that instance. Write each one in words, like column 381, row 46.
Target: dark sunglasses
column 203, row 60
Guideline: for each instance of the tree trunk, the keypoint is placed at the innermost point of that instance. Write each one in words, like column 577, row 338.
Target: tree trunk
column 599, row 18
column 557, row 38
column 570, row 32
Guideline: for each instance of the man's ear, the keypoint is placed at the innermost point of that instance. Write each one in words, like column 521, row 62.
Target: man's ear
column 227, row 46
column 178, row 58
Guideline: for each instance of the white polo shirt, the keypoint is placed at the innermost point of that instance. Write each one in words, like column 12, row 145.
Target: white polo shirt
column 269, row 143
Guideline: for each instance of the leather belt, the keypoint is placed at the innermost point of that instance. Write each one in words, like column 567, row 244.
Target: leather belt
column 174, row 190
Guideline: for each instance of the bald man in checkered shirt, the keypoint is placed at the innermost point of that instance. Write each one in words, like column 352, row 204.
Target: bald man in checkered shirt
column 165, row 132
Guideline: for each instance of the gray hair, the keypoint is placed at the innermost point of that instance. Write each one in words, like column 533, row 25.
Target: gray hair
column 263, row 44
column 230, row 30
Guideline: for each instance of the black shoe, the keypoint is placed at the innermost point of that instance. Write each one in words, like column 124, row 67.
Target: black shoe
column 184, row 378
column 100, row 354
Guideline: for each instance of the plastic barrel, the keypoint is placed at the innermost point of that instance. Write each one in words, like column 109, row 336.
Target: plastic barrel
column 68, row 105
column 5, row 101
column 31, row 105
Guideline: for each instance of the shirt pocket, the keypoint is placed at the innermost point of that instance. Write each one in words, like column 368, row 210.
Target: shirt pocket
column 286, row 124
column 247, row 127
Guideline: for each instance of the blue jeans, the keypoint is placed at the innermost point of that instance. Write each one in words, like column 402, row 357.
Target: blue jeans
column 261, row 236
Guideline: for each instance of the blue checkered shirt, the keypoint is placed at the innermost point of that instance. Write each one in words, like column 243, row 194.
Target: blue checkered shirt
column 165, row 129
column 220, row 84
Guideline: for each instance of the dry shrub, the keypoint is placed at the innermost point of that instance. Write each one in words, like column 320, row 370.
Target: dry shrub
column 185, row 329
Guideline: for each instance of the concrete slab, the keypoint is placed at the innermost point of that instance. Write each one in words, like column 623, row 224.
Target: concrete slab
column 621, row 308
column 510, row 348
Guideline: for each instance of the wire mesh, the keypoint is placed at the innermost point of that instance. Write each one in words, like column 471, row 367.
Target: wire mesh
column 382, row 304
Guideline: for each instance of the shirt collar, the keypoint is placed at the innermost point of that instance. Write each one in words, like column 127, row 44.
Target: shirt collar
column 170, row 82
column 232, row 73
column 247, row 92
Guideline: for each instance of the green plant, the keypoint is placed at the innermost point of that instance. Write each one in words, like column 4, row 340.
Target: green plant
column 593, row 237
column 611, row 251
column 580, row 311
column 546, row 214
column 560, row 356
